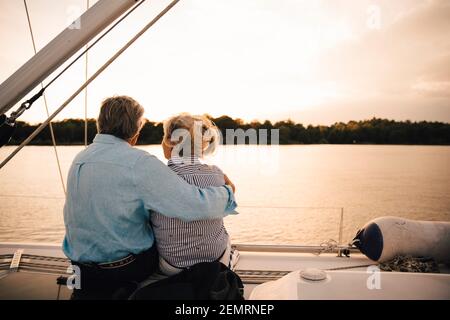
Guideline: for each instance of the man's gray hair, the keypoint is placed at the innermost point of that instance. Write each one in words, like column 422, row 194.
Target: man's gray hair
column 120, row 116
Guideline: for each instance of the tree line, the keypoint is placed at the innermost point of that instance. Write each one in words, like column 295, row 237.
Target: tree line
column 373, row 131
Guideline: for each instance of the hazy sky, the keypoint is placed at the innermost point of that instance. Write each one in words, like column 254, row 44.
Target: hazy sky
column 311, row 61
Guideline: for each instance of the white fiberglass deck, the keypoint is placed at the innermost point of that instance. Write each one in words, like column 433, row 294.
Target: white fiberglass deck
column 347, row 277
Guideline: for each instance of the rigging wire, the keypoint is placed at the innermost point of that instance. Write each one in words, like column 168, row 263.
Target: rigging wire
column 94, row 43
column 27, row 104
column 86, row 75
column 91, row 79
column 240, row 206
column 50, row 125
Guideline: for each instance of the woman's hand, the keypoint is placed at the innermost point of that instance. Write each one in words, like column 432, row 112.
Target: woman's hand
column 229, row 183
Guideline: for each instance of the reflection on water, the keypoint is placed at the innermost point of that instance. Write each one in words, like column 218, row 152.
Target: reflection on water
column 367, row 181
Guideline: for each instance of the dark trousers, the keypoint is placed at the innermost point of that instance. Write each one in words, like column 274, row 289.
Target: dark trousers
column 100, row 283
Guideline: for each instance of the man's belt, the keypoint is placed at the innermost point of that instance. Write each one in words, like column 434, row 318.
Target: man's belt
column 109, row 265
column 119, row 263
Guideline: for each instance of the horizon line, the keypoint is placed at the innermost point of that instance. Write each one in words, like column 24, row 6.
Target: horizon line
column 273, row 122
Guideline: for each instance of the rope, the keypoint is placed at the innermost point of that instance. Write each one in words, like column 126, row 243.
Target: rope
column 411, row 264
column 91, row 79
column 86, row 75
column 59, row 292
column 327, row 246
column 52, row 133
column 351, row 267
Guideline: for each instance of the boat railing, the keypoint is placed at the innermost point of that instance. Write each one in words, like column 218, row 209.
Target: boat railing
column 294, row 248
column 266, row 228
column 340, row 211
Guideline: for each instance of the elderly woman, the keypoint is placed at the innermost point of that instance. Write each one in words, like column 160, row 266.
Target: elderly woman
column 181, row 243
column 110, row 189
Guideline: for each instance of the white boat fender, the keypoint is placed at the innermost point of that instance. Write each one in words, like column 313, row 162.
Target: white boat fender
column 384, row 238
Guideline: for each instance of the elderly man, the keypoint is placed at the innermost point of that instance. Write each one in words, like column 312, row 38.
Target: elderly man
column 111, row 188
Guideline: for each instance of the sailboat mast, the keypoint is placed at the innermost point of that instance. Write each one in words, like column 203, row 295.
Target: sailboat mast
column 59, row 50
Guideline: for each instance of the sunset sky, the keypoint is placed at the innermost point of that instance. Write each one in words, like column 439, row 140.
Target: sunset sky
column 312, row 61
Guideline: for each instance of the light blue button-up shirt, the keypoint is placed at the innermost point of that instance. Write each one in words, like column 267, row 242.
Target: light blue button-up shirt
column 111, row 188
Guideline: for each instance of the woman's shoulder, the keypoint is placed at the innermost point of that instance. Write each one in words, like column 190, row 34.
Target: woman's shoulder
column 214, row 168
column 194, row 167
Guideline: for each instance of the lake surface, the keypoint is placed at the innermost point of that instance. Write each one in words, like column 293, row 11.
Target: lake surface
column 287, row 194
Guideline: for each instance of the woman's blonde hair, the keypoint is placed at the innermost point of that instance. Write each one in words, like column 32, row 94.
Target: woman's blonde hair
column 197, row 127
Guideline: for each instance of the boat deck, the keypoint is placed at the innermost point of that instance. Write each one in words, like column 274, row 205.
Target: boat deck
column 41, row 265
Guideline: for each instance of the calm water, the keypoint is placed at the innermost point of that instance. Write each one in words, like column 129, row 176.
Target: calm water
column 287, row 194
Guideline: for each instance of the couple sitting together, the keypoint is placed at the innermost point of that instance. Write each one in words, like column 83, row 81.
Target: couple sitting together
column 128, row 215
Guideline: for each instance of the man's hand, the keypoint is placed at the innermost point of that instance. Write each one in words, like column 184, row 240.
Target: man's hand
column 229, row 183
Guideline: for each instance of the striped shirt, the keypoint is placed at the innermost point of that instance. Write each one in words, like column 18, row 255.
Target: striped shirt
column 181, row 243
